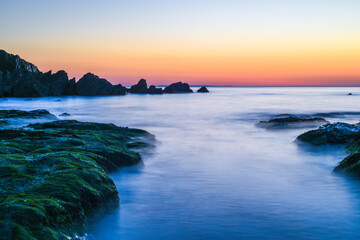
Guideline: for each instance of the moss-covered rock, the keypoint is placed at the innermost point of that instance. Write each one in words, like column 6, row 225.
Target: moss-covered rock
column 54, row 176
column 335, row 133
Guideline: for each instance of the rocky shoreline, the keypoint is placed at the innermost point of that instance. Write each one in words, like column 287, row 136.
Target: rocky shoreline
column 54, row 174
column 338, row 133
column 19, row 78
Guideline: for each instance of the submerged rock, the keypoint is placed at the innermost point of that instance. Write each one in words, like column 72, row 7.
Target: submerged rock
column 178, row 87
column 65, row 114
column 140, row 87
column 292, row 121
column 203, row 90
column 54, row 176
column 335, row 133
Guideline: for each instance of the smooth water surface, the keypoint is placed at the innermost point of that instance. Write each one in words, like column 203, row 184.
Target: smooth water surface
column 214, row 175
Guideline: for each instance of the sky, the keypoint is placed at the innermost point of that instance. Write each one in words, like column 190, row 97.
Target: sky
column 202, row 42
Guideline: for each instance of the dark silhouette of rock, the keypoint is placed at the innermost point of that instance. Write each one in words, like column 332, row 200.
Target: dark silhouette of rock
column 178, row 87
column 28, row 85
column 203, row 90
column 71, row 88
column 155, row 90
column 122, row 90
column 1, row 84
column 57, row 84
column 65, row 114
column 140, row 87
column 92, row 85
column 350, row 94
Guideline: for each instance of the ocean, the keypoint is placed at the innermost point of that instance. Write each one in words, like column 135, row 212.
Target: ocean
column 213, row 174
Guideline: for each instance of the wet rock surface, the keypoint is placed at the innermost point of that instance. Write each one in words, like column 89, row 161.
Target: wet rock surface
column 292, row 121
column 54, row 175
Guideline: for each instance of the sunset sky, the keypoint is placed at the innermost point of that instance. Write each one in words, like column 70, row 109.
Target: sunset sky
column 212, row 42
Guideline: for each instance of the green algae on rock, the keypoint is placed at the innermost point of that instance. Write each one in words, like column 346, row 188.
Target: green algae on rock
column 54, row 176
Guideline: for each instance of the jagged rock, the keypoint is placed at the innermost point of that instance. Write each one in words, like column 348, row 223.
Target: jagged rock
column 178, row 87
column 203, row 90
column 140, row 87
column 13, row 63
column 335, row 133
column 155, row 90
column 292, row 121
column 71, row 88
column 92, row 85
column 57, row 84
column 28, row 85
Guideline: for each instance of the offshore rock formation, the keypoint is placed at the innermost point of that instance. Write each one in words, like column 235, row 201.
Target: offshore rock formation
column 178, row 87
column 92, row 85
column 292, row 121
column 140, row 87
column 19, row 78
column 203, row 89
column 54, row 175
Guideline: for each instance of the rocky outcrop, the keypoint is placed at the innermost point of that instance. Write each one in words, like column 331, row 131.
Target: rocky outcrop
column 92, row 85
column 178, row 87
column 54, row 176
column 71, row 89
column 155, row 90
column 140, row 87
column 292, row 121
column 57, row 84
column 335, row 133
column 203, row 90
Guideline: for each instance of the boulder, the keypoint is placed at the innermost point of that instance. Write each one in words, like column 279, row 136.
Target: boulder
column 92, row 85
column 65, row 114
column 203, row 90
column 155, row 90
column 178, row 87
column 335, row 133
column 140, row 87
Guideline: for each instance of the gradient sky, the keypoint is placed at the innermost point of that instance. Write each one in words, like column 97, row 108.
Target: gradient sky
column 223, row 42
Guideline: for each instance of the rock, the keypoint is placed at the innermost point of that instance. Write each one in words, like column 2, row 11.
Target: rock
column 65, row 114
column 292, row 121
column 335, row 133
column 57, row 84
column 178, row 87
column 28, row 85
column 92, row 85
column 140, row 87
column 13, row 63
column 155, row 90
column 35, row 114
column 71, row 88
column 54, row 176
column 203, row 90
column 1, row 84
column 350, row 94
column 122, row 90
